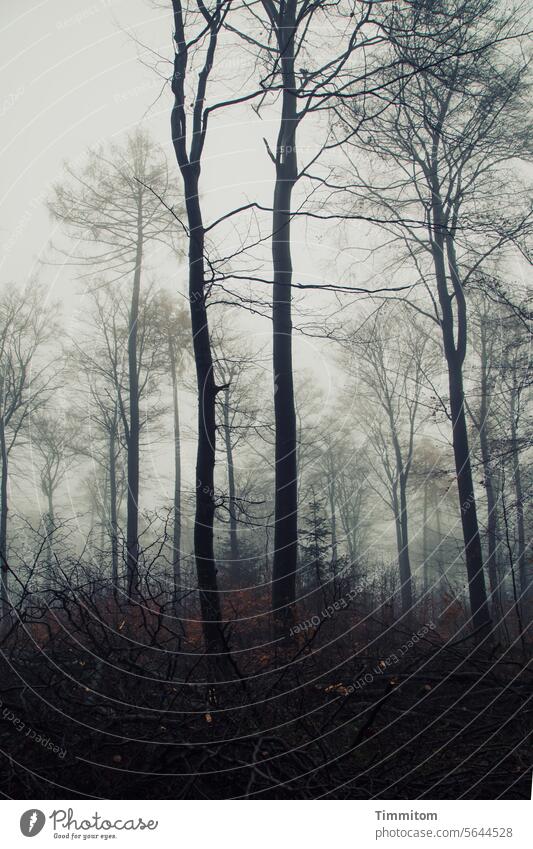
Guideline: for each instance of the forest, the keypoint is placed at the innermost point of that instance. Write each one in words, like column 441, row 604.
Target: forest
column 265, row 411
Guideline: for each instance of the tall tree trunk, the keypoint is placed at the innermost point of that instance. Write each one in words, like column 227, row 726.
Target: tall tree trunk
column 113, row 520
column 132, row 531
column 492, row 512
column 400, row 511
column 521, row 559
column 50, row 528
column 402, row 541
column 455, row 355
column 205, row 456
column 233, row 536
column 405, row 560
column 286, row 483
column 3, row 523
column 333, row 512
column 176, row 538
column 425, row 541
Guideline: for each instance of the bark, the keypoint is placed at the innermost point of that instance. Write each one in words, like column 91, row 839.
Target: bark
column 402, row 540
column 3, row 523
column 189, row 165
column 286, row 484
column 455, row 355
column 113, row 520
column 205, row 456
column 233, row 535
column 519, row 496
column 176, row 539
column 132, row 530
column 425, row 543
column 333, row 512
column 400, row 512
column 50, row 528
column 492, row 512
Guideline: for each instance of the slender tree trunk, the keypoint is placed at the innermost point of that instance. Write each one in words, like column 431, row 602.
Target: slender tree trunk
column 425, row 543
column 492, row 512
column 113, row 523
column 519, row 496
column 50, row 528
column 286, row 482
column 455, row 355
column 132, row 531
column 3, row 523
column 176, row 539
column 467, row 500
column 205, row 456
column 233, row 536
column 402, row 541
column 333, row 512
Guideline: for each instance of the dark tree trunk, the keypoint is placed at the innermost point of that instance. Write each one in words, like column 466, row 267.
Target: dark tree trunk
column 425, row 544
column 402, row 540
column 176, row 540
column 333, row 512
column 50, row 528
column 205, row 456
column 113, row 521
column 467, row 500
column 3, row 523
column 405, row 561
column 521, row 559
column 232, row 505
column 286, row 483
column 132, row 531
column 189, row 165
column 455, row 355
column 492, row 512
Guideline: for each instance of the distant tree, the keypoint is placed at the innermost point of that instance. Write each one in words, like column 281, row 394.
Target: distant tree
column 54, row 451
column 391, row 357
column 100, row 353
column 113, row 211
column 173, row 327
column 26, row 381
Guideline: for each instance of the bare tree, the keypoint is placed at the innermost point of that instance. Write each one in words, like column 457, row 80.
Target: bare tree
column 174, row 329
column 54, row 451
column 237, row 408
column 26, row 326
column 112, row 208
column 453, row 122
column 391, row 356
column 196, row 36
column 101, row 353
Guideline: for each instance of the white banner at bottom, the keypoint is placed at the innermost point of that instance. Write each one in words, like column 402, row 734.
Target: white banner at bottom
column 264, row 824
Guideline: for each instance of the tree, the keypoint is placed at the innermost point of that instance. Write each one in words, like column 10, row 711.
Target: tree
column 26, row 326
column 100, row 353
column 488, row 344
column 453, row 121
column 290, row 29
column 113, row 207
column 196, row 34
column 391, row 356
column 516, row 373
column 54, row 451
column 235, row 366
column 174, row 329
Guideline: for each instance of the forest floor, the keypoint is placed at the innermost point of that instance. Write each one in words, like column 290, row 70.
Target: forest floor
column 343, row 712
